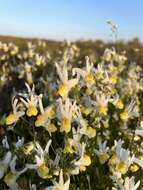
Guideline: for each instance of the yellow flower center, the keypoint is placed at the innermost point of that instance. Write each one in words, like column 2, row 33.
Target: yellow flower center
column 9, row 179
column 43, row 171
column 103, row 158
column 113, row 79
column 103, row 110
column 27, row 149
column 90, row 132
column 114, row 69
column 134, row 167
column 65, row 125
column 113, row 160
column 82, row 168
column 38, row 62
column 119, row 104
column 63, row 90
column 86, row 160
column 99, row 75
column 41, row 119
column 85, row 110
column 68, row 148
column 141, row 157
column 51, row 128
column 90, row 78
column 107, row 57
column 32, row 111
column 124, row 115
column 11, row 118
column 51, row 113
column 27, row 68
column 122, row 168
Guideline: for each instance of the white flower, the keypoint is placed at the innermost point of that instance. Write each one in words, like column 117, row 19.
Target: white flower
column 32, row 187
column 73, row 144
column 102, row 153
column 41, row 153
column 121, row 160
column 129, row 111
column 39, row 59
column 44, row 119
column 11, row 177
column 31, row 101
column 138, row 162
column 17, row 113
column 123, row 154
column 100, row 72
column 82, row 162
column 129, row 184
column 40, row 165
column 108, row 54
column 20, row 142
column 5, row 143
column 116, row 100
column 4, row 164
column 86, row 73
column 65, row 113
column 101, row 103
column 65, row 84
column 60, row 185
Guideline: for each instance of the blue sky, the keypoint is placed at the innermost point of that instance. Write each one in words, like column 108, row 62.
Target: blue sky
column 71, row 19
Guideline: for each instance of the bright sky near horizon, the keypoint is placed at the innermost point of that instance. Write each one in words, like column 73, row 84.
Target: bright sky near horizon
column 71, row 19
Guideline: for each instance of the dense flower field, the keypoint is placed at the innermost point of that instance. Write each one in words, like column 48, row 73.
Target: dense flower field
column 69, row 123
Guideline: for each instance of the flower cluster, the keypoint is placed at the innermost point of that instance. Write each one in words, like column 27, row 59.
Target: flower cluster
column 73, row 124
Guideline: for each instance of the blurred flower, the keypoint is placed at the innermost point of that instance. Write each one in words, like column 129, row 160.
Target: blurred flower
column 103, row 152
column 14, row 117
column 65, row 84
column 60, row 185
column 4, row 164
column 31, row 101
column 66, row 110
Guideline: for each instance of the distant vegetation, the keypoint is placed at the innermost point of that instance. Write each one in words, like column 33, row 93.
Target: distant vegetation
column 133, row 48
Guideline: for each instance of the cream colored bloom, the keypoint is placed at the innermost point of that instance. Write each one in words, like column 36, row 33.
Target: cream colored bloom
column 41, row 165
column 28, row 148
column 87, row 73
column 66, row 110
column 82, row 162
column 61, row 185
column 11, row 177
column 16, row 114
column 39, row 59
column 128, row 112
column 44, row 119
column 128, row 184
column 90, row 132
column 121, row 160
column 117, row 101
column 101, row 104
column 65, row 84
column 31, row 101
column 4, row 164
column 103, row 151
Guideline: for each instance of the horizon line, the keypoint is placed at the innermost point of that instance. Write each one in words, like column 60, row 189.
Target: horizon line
column 72, row 40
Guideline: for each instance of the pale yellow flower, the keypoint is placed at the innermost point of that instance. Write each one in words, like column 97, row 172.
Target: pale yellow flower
column 65, row 83
column 17, row 113
column 31, row 101
column 66, row 110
